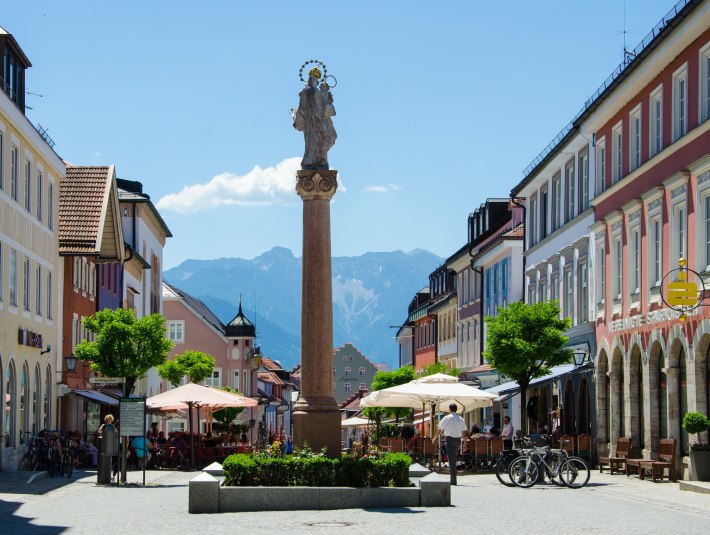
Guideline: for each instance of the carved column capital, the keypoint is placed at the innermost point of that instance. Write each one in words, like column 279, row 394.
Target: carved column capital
column 316, row 184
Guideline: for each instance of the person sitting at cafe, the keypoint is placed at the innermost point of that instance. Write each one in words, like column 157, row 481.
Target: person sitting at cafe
column 244, row 440
column 161, row 440
column 142, row 446
column 210, row 442
column 476, row 432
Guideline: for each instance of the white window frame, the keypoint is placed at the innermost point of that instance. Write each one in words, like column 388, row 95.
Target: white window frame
column 40, row 194
column 557, row 201
column 635, row 138
column 215, row 380
column 570, row 194
column 50, row 205
column 533, row 219
column 704, row 81
column 2, row 158
column 679, row 232
column 655, row 137
column 50, row 299
column 26, row 284
column 568, row 284
column 634, row 261
column 601, row 155
column 348, row 372
column 347, row 387
column 583, row 178
column 28, row 185
column 582, row 291
column 361, row 371
column 38, row 290
column 617, row 152
column 617, row 268
column 235, row 380
column 680, row 102
column 703, row 226
column 363, row 386
column 176, row 331
column 601, row 274
column 14, row 171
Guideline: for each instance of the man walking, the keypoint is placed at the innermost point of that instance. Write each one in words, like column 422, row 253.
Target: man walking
column 507, row 433
column 454, row 429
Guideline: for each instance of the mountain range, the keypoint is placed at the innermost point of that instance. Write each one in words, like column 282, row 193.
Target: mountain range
column 371, row 292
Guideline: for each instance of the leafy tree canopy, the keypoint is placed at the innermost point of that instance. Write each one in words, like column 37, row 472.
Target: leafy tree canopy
column 124, row 346
column 524, row 341
column 196, row 365
column 386, row 380
column 228, row 414
column 440, row 367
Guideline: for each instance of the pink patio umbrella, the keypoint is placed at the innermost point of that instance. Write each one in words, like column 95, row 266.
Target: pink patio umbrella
column 193, row 395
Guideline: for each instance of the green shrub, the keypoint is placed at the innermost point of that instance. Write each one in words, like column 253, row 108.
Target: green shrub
column 245, row 470
column 696, row 423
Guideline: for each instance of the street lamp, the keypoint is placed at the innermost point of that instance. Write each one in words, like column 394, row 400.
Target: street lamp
column 70, row 361
column 580, row 357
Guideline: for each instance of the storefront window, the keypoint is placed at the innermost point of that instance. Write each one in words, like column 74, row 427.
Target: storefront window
column 93, row 421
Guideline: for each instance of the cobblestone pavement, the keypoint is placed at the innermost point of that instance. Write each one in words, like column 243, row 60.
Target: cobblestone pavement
column 609, row 504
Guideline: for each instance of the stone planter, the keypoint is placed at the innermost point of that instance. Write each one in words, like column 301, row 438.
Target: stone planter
column 699, row 465
column 207, row 495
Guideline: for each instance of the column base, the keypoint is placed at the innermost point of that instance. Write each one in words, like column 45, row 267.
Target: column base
column 317, row 424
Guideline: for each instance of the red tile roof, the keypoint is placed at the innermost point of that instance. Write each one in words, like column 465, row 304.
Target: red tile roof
column 270, row 377
column 82, row 196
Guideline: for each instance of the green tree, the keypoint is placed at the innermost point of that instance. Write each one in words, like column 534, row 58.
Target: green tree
column 525, row 341
column 196, row 365
column 386, row 380
column 440, row 367
column 227, row 415
column 124, row 346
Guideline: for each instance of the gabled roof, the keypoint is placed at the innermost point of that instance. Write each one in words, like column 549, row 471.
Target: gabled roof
column 270, row 377
column 89, row 221
column 131, row 191
column 193, row 302
column 270, row 364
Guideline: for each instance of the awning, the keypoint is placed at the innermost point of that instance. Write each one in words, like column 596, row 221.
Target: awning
column 512, row 388
column 96, row 397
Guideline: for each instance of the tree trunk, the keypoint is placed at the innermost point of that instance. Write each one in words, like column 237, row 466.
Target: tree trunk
column 524, row 406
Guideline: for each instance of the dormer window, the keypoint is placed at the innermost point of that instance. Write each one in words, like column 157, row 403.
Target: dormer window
column 14, row 63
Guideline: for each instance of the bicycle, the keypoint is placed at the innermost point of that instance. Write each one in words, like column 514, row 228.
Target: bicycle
column 502, row 464
column 67, row 458
column 30, row 460
column 526, row 470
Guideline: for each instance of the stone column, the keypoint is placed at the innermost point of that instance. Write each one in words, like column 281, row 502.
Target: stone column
column 316, row 416
column 614, row 403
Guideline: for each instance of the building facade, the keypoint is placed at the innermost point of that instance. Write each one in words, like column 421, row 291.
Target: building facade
column 653, row 208
column 352, row 371
column 90, row 235
column 30, row 270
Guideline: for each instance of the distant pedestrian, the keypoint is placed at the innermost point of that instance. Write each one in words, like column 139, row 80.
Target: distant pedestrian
column 454, row 429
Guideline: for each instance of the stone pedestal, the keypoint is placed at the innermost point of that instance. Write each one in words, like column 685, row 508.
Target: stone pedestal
column 316, row 416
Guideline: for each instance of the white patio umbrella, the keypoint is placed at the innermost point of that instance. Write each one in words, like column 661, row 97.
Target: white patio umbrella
column 437, row 389
column 355, row 421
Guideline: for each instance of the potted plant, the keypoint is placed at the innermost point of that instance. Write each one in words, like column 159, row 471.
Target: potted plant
column 696, row 423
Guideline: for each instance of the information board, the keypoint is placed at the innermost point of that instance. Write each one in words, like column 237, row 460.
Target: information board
column 132, row 417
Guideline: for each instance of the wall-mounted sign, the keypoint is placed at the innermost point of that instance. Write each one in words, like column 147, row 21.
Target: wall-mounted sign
column 28, row 338
column 683, row 294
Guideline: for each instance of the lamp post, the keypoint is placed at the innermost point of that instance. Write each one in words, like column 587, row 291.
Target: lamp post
column 70, row 361
column 580, row 357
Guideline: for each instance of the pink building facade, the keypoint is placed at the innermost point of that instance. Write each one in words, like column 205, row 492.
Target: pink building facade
column 652, row 150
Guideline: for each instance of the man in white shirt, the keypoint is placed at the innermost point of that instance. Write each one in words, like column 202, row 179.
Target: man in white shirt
column 507, row 433
column 454, row 429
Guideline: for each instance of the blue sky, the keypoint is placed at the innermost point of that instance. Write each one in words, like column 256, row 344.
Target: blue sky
column 440, row 105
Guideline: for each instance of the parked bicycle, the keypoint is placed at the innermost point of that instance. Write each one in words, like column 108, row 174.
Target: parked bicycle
column 31, row 459
column 539, row 462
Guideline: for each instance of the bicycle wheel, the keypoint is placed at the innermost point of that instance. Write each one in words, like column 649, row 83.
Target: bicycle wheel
column 523, row 472
column 574, row 472
column 502, row 472
column 27, row 463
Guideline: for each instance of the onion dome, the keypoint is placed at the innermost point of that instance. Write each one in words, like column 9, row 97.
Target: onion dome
column 240, row 326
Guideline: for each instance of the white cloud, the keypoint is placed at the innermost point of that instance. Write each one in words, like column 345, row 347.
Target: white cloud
column 383, row 189
column 258, row 187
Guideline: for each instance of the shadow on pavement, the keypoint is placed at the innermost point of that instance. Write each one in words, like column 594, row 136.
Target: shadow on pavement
column 396, row 511
column 12, row 523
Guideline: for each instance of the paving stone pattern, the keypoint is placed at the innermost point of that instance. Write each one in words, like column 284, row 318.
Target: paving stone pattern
column 609, row 504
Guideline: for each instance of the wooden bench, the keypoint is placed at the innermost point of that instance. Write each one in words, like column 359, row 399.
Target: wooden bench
column 623, row 446
column 666, row 459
